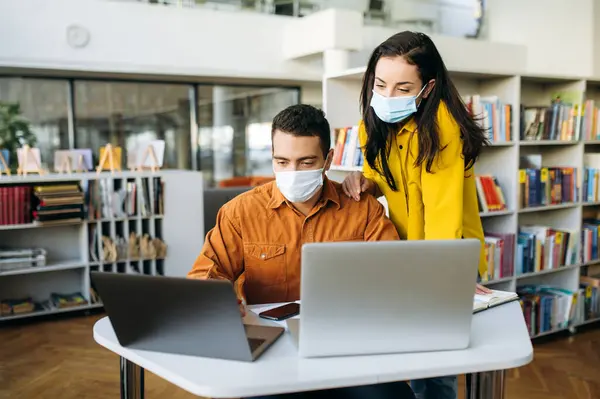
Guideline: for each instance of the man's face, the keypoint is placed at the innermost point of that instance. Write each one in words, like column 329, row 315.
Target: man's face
column 298, row 153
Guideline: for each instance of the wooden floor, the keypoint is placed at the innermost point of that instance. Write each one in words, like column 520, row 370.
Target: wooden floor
column 58, row 358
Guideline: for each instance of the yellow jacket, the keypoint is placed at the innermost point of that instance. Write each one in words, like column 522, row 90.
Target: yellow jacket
column 437, row 205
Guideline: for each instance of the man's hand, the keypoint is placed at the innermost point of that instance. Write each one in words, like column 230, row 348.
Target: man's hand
column 481, row 290
column 242, row 307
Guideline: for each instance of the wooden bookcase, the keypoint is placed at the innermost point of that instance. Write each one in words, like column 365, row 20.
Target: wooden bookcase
column 69, row 261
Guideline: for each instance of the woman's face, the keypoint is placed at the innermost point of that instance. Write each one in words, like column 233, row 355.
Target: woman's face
column 394, row 77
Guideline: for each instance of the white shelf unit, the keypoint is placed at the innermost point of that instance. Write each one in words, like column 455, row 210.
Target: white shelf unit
column 69, row 263
column 341, row 104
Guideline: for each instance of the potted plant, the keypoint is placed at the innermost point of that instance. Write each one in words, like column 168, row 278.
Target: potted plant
column 15, row 131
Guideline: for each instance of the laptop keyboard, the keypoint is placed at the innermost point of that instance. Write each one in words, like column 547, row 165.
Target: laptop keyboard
column 255, row 343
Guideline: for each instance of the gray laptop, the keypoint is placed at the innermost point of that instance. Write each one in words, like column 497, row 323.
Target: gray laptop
column 386, row 297
column 182, row 316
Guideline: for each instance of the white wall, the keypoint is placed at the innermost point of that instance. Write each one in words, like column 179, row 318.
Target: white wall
column 459, row 54
column 596, row 39
column 536, row 36
column 140, row 38
column 559, row 34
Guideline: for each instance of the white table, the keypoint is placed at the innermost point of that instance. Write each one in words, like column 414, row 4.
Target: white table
column 499, row 341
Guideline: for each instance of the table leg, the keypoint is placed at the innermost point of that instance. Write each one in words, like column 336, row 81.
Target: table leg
column 486, row 385
column 132, row 380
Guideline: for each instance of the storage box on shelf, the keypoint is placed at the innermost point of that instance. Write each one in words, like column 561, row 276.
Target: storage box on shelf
column 128, row 222
column 556, row 211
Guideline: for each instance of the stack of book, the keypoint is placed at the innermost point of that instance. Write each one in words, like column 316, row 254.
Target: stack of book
column 61, row 301
column 493, row 115
column 548, row 308
column 58, row 203
column 15, row 205
column 543, row 248
column 499, row 252
column 17, row 306
column 347, row 152
column 489, row 194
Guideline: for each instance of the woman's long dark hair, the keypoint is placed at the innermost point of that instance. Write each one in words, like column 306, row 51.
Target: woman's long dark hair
column 417, row 49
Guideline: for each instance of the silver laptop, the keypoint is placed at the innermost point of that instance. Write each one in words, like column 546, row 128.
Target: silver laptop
column 386, row 297
column 183, row 316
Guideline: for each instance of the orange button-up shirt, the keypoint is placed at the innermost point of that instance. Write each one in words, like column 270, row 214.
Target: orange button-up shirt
column 258, row 237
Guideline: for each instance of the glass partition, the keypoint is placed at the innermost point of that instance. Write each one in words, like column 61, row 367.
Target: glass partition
column 126, row 113
column 234, row 129
column 44, row 102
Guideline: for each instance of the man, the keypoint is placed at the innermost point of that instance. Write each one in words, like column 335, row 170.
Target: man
column 257, row 240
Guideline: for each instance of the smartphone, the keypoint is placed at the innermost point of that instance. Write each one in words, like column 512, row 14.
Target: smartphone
column 282, row 312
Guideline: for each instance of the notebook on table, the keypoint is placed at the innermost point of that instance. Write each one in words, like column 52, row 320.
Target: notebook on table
column 482, row 302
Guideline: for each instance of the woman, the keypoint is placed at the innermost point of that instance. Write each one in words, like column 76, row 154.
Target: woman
column 420, row 144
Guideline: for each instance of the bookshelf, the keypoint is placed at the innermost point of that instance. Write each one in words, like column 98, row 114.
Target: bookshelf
column 173, row 214
column 503, row 159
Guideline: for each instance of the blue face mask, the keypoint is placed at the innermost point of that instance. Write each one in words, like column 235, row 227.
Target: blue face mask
column 394, row 109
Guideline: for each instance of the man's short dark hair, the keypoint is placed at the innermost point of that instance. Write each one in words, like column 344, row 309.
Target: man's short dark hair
column 304, row 120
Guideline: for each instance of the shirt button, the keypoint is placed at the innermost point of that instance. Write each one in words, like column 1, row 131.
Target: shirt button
column 400, row 146
column 263, row 256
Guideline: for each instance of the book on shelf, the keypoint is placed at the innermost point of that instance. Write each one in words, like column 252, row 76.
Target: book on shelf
column 347, row 151
column 561, row 121
column 542, row 186
column 548, row 308
column 483, row 302
column 543, row 248
column 491, row 114
column 591, row 115
column 490, row 196
column 57, row 203
column 589, row 285
column 590, row 233
column 18, row 306
column 106, row 199
column 499, row 252
column 62, row 301
column 591, row 172
column 15, row 204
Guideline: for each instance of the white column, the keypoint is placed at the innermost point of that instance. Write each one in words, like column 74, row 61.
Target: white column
column 335, row 60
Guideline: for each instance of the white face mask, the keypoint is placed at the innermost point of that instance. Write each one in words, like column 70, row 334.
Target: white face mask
column 299, row 185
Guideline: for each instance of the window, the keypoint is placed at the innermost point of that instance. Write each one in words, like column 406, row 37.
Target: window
column 234, row 135
column 126, row 113
column 44, row 102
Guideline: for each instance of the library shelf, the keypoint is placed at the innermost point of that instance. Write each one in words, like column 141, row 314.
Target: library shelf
column 547, row 271
column 341, row 92
column 589, row 321
column 550, row 332
column 496, row 213
column 52, row 267
column 498, row 280
column 593, row 203
column 167, row 205
column 51, row 311
column 24, row 226
column 545, row 208
column 532, row 143
column 501, row 144
column 338, row 168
